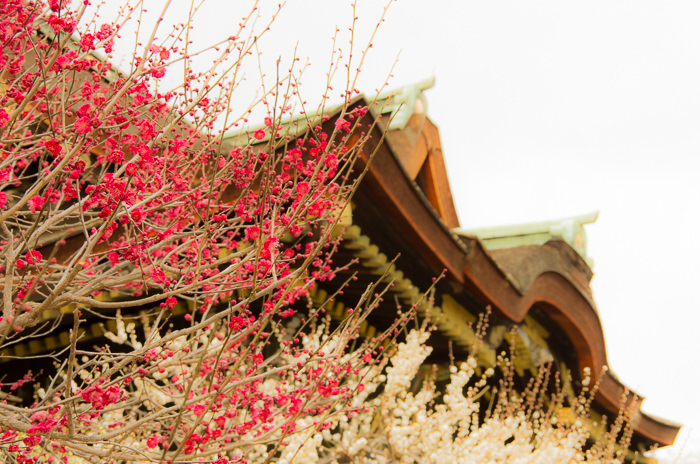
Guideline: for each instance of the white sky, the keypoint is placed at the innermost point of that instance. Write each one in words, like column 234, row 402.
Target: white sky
column 548, row 109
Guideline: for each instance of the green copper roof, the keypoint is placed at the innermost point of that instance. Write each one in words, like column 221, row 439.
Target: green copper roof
column 402, row 103
column 537, row 233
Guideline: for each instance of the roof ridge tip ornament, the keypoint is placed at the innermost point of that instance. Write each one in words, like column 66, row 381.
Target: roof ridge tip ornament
column 568, row 229
column 403, row 102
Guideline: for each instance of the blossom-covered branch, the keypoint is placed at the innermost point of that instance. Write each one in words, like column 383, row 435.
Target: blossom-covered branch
column 132, row 208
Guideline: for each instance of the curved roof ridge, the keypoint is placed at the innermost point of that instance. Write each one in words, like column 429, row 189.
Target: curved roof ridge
column 560, row 288
column 569, row 229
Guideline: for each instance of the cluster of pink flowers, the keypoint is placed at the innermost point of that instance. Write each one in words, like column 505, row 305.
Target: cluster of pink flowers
column 126, row 197
column 100, row 398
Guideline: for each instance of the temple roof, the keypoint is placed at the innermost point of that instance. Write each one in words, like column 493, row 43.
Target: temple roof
column 407, row 206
